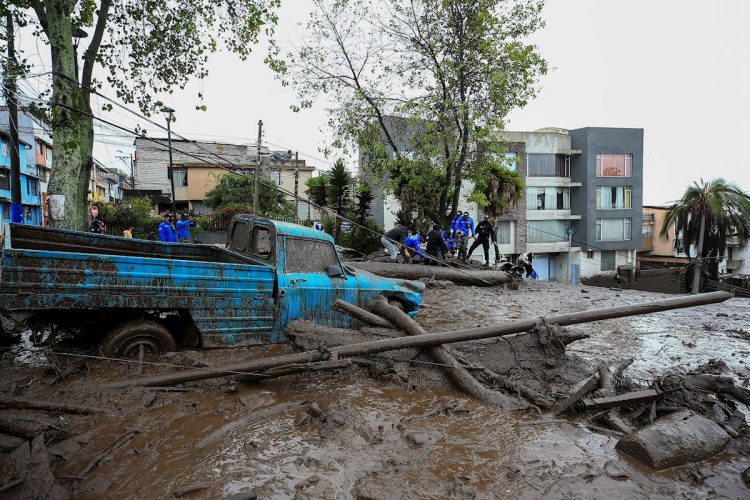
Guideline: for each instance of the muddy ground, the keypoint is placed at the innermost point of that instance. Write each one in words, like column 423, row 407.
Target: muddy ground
column 360, row 439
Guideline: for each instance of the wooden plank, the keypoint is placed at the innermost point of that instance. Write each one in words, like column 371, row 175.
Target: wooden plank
column 627, row 399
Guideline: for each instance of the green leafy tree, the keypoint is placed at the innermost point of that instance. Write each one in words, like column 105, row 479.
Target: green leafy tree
column 706, row 214
column 363, row 199
column 234, row 190
column 339, row 196
column 317, row 190
column 450, row 70
column 144, row 47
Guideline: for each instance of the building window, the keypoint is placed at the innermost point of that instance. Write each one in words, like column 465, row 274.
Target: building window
column 503, row 233
column 180, row 177
column 613, row 229
column 276, row 176
column 608, row 260
column 647, row 230
column 608, row 165
column 4, row 179
column 550, row 198
column 32, row 186
column 547, row 231
column 609, row 197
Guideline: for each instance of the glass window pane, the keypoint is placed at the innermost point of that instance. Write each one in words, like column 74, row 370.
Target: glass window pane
column 628, row 196
column 547, row 231
column 503, row 233
column 309, row 256
column 550, row 198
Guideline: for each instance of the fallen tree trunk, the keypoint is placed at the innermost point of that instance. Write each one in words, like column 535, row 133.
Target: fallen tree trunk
column 225, row 429
column 416, row 271
column 719, row 385
column 28, row 404
column 360, row 314
column 427, row 340
column 457, row 373
column 297, row 368
column 587, row 385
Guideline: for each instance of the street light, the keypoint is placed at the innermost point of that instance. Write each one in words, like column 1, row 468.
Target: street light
column 168, row 112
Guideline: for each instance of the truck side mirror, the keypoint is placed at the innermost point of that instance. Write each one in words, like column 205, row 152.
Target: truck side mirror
column 334, row 271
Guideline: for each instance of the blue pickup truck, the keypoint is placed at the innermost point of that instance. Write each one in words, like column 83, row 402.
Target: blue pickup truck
column 146, row 297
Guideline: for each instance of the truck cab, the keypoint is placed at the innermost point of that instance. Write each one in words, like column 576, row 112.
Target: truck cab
column 310, row 273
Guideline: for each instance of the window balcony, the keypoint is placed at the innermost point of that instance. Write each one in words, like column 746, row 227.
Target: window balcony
column 551, row 215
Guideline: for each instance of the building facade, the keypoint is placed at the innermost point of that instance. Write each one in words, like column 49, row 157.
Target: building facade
column 584, row 198
column 198, row 165
column 31, row 198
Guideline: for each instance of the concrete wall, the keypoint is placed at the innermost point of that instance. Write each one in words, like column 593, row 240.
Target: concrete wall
column 596, row 140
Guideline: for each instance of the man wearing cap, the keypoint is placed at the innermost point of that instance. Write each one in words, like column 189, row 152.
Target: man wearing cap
column 183, row 227
column 464, row 223
column 485, row 232
column 167, row 232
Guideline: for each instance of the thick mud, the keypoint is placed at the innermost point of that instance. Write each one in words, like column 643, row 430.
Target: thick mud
column 406, row 435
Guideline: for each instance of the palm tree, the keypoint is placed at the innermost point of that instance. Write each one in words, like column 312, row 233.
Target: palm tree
column 707, row 213
column 498, row 192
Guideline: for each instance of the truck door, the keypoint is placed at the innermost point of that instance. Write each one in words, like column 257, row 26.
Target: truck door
column 306, row 291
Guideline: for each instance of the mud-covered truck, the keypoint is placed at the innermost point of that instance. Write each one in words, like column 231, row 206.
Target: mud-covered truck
column 141, row 296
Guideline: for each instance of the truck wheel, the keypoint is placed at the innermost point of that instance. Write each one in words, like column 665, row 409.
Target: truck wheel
column 135, row 339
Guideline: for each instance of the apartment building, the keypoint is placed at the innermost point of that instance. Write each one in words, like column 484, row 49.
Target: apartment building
column 610, row 199
column 198, row 165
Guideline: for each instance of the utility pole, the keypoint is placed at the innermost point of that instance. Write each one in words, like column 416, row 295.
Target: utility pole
column 256, row 191
column 170, row 172
column 16, row 208
column 296, row 185
column 571, row 230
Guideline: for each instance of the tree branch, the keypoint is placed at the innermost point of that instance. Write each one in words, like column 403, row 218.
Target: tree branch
column 89, row 57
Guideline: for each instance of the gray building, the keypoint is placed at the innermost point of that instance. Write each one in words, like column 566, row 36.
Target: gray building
column 588, row 181
column 610, row 200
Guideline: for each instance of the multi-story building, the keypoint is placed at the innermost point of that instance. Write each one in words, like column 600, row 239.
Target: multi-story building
column 657, row 249
column 198, row 165
column 30, row 193
column 584, row 192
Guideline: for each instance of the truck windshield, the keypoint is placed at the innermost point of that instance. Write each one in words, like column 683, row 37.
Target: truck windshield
column 309, row 256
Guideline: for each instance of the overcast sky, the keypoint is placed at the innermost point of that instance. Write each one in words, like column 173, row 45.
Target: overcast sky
column 679, row 69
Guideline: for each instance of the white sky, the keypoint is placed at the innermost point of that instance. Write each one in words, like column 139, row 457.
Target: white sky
column 680, row 69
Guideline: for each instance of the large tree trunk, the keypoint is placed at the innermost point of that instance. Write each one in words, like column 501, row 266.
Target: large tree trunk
column 73, row 132
column 698, row 268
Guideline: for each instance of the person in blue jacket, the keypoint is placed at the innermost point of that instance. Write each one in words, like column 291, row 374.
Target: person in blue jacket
column 183, row 227
column 465, row 224
column 413, row 241
column 166, row 230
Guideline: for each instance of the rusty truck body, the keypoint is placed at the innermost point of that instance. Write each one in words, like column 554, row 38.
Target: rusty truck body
column 148, row 296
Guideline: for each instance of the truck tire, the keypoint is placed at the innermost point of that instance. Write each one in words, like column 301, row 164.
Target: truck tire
column 128, row 340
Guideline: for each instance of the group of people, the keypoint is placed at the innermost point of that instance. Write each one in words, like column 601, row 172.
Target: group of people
column 179, row 232
column 169, row 232
column 443, row 245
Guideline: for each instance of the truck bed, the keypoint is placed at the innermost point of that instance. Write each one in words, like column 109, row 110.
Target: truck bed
column 59, row 240
column 50, row 271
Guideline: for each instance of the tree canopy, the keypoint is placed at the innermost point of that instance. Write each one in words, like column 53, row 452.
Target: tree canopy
column 233, row 190
column 415, row 85
column 140, row 48
column 706, row 214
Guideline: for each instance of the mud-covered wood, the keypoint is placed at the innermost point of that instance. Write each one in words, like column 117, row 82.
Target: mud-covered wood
column 360, row 314
column 457, row 373
column 29, row 404
column 587, row 385
column 427, row 340
column 418, row 271
column 627, row 399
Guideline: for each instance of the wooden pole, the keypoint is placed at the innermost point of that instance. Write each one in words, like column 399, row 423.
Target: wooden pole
column 457, row 373
column 425, row 340
column 360, row 314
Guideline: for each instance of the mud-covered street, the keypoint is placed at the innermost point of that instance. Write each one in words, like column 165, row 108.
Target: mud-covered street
column 362, row 433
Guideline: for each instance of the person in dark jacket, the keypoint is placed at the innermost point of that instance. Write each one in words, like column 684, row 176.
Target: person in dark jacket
column 435, row 245
column 97, row 226
column 393, row 239
column 167, row 232
column 484, row 233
